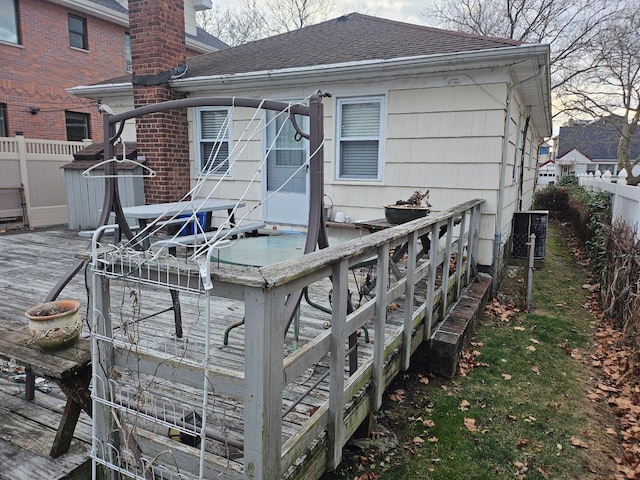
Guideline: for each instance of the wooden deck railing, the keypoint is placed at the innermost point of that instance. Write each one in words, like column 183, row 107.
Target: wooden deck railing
column 407, row 306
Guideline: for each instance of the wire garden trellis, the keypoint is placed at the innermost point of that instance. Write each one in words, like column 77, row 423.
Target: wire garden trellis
column 155, row 403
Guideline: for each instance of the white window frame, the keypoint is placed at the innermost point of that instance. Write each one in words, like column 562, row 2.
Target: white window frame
column 379, row 99
column 201, row 162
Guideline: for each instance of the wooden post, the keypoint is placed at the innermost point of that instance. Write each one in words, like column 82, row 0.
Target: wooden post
column 408, row 300
column 264, row 346
column 336, row 376
column 379, row 322
column 431, row 281
column 459, row 261
column 104, row 442
column 445, row 268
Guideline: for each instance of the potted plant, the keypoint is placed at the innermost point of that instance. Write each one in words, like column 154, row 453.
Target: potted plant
column 416, row 206
column 55, row 325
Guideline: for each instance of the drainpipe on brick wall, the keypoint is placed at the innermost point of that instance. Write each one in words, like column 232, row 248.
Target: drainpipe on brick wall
column 497, row 238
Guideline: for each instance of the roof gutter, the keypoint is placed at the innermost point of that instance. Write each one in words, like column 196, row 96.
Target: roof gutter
column 497, row 238
column 425, row 62
column 97, row 91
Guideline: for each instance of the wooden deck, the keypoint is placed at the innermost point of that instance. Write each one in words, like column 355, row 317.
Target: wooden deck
column 270, row 406
column 31, row 262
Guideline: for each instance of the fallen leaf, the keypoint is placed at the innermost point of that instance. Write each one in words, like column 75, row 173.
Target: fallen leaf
column 464, row 406
column 470, row 423
column 534, row 340
column 506, row 376
column 397, row 396
column 576, row 442
column 531, row 348
column 535, row 369
column 428, row 423
column 418, row 440
column 432, row 439
column 519, row 329
column 423, row 379
column 523, row 442
column 612, row 432
column 513, row 418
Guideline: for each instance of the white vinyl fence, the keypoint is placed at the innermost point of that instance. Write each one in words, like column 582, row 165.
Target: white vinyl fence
column 625, row 201
column 36, row 166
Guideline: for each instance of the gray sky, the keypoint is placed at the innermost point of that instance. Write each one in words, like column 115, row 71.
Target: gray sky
column 403, row 10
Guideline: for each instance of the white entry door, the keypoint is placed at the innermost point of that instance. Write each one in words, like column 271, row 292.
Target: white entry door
column 286, row 176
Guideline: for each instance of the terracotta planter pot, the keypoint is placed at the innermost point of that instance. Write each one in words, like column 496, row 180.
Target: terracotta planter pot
column 397, row 214
column 55, row 325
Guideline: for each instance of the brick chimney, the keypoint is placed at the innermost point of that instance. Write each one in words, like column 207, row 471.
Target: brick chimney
column 157, row 34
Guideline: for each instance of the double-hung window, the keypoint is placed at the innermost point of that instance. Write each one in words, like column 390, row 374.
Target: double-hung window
column 359, row 138
column 77, row 126
column 213, row 127
column 9, row 31
column 78, row 32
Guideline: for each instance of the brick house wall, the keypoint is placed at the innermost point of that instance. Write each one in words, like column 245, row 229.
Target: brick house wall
column 37, row 72
column 157, row 46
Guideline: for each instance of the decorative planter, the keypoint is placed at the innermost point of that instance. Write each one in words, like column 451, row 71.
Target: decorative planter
column 397, row 214
column 55, row 325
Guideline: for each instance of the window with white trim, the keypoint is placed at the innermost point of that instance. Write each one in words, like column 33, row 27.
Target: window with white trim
column 213, row 133
column 359, row 138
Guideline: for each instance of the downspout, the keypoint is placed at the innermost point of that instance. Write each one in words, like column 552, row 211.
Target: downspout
column 497, row 237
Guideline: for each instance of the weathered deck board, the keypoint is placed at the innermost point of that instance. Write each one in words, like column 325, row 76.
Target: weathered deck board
column 32, row 262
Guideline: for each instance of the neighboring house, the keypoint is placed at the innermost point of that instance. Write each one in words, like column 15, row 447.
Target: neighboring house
column 547, row 173
column 412, row 108
column 585, row 148
column 49, row 46
column 545, row 153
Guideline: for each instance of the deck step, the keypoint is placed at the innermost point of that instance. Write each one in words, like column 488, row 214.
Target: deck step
column 451, row 337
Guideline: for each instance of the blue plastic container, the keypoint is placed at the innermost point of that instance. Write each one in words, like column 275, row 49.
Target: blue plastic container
column 188, row 228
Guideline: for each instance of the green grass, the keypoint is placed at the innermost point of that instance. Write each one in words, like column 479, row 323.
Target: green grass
column 526, row 421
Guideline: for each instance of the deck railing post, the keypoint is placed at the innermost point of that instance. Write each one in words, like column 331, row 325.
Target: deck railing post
column 431, row 281
column 446, row 269
column 474, row 236
column 459, row 258
column 104, row 428
column 408, row 300
column 337, row 363
column 379, row 320
column 264, row 346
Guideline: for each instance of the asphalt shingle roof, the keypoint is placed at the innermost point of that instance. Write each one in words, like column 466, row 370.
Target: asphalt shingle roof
column 596, row 140
column 353, row 37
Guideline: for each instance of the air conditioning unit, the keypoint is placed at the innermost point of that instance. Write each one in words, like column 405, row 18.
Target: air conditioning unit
column 526, row 223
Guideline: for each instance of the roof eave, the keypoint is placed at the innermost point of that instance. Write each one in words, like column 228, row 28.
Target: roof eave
column 95, row 10
column 98, row 91
column 377, row 67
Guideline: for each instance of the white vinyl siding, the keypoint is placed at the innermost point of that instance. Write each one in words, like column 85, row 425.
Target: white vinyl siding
column 359, row 138
column 213, row 128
